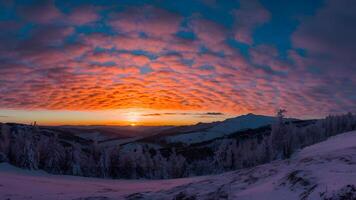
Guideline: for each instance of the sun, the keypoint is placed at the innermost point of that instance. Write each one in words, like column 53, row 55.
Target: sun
column 133, row 118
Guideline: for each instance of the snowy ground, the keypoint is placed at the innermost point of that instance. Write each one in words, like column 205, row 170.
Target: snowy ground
column 325, row 170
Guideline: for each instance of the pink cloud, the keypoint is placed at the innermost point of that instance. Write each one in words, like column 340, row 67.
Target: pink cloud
column 211, row 34
column 99, row 71
column 265, row 55
column 151, row 20
column 250, row 15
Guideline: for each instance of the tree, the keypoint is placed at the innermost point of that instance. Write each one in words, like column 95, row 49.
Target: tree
column 74, row 160
column 103, row 165
column 4, row 142
column 53, row 155
column 176, row 165
column 278, row 137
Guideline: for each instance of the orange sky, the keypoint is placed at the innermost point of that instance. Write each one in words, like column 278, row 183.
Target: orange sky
column 137, row 117
column 162, row 63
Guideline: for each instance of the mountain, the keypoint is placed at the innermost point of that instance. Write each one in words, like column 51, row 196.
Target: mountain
column 325, row 170
column 218, row 129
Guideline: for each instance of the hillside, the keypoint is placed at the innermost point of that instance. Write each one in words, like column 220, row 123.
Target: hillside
column 322, row 171
column 204, row 132
column 61, row 152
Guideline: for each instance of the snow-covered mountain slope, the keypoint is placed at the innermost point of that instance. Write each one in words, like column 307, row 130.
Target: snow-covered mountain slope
column 222, row 129
column 326, row 170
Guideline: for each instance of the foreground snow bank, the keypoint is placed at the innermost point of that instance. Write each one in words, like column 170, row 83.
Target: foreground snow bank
column 326, row 170
column 19, row 184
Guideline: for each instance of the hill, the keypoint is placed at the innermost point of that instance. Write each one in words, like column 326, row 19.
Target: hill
column 325, row 170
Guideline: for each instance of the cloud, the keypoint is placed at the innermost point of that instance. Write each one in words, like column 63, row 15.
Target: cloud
column 250, row 15
column 183, row 113
column 147, row 19
column 83, row 15
column 46, row 12
column 327, row 40
column 266, row 55
column 135, row 59
column 42, row 12
column 329, row 30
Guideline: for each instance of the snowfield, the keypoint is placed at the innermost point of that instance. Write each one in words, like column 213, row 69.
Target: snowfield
column 326, row 170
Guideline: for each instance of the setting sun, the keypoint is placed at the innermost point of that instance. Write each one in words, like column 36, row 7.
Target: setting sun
column 133, row 117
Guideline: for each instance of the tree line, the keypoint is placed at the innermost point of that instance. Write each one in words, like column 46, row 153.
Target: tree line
column 27, row 147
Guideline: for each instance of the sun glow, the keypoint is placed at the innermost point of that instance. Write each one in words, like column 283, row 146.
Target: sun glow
column 133, row 118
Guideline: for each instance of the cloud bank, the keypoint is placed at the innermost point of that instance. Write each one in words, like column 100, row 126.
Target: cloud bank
column 97, row 57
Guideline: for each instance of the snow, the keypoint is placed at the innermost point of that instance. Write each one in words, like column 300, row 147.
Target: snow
column 321, row 170
column 222, row 129
column 336, row 143
column 18, row 184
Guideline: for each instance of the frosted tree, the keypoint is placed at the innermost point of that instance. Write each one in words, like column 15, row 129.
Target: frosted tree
column 23, row 149
column 176, row 165
column 29, row 158
column 74, row 160
column 103, row 165
column 350, row 122
column 238, row 155
column 115, row 163
column 127, row 166
column 224, row 155
column 278, row 135
column 290, row 140
column 4, row 142
column 159, row 165
column 53, row 155
column 146, row 162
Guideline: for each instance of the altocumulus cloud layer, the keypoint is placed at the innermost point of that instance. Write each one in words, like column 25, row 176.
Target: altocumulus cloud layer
column 231, row 57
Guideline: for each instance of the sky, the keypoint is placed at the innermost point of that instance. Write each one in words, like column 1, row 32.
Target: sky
column 174, row 62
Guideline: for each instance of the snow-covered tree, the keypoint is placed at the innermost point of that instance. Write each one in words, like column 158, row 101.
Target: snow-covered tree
column 23, row 149
column 103, row 163
column 74, row 159
column 52, row 155
column 4, row 142
column 278, row 135
column 176, row 165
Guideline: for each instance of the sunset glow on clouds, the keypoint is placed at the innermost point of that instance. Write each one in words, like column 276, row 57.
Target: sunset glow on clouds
column 159, row 57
